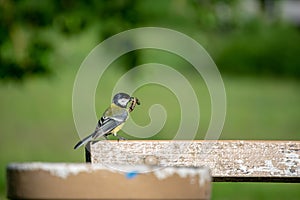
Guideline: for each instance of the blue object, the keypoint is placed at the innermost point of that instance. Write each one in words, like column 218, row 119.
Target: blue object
column 131, row 175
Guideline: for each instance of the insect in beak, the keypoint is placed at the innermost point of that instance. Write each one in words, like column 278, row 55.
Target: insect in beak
column 134, row 101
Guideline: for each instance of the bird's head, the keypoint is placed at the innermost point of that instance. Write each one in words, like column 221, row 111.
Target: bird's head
column 121, row 99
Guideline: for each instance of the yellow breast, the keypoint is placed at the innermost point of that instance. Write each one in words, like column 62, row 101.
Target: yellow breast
column 117, row 129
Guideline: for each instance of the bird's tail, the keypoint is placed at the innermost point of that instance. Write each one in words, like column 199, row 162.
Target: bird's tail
column 84, row 141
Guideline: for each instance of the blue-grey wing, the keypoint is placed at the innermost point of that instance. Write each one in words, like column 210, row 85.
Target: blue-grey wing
column 105, row 126
column 112, row 118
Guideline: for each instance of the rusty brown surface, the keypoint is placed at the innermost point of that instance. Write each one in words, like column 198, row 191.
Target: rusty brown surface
column 261, row 161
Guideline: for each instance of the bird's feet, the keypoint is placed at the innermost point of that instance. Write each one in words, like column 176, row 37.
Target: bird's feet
column 105, row 136
column 120, row 137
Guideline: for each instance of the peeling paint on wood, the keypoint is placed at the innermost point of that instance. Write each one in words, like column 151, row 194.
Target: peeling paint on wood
column 88, row 181
column 275, row 161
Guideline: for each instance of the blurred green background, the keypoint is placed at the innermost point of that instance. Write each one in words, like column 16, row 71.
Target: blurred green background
column 255, row 45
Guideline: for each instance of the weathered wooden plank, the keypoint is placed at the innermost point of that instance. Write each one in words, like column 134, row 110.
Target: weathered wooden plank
column 254, row 161
column 86, row 181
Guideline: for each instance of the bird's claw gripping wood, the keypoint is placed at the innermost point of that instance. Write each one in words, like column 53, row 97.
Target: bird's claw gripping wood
column 134, row 101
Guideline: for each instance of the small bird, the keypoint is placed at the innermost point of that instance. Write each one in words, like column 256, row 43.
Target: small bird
column 113, row 118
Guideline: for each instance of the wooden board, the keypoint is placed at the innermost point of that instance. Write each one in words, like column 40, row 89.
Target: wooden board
column 87, row 181
column 249, row 161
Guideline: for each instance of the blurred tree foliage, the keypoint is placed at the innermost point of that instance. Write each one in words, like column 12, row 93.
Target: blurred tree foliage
column 247, row 47
column 270, row 51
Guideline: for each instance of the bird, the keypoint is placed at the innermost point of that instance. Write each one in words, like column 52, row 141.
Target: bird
column 112, row 119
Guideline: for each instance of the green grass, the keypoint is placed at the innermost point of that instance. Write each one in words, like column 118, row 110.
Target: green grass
column 36, row 122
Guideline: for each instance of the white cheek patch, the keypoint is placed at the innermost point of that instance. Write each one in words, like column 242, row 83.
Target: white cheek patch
column 123, row 101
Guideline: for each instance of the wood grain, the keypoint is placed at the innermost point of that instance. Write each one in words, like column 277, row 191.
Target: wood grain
column 236, row 161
